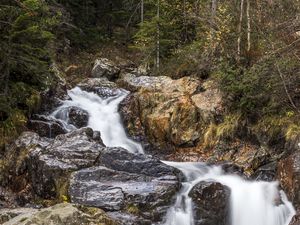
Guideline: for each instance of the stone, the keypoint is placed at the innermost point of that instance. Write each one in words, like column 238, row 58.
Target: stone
column 288, row 175
column 7, row 214
column 63, row 214
column 105, row 68
column 78, row 117
column 211, row 203
column 50, row 167
column 101, row 86
column 121, row 179
column 46, row 126
column 164, row 108
column 296, row 219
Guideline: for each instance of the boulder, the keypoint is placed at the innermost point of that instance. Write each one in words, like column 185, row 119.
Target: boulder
column 266, row 172
column 63, row 214
column 121, row 180
column 296, row 219
column 78, row 117
column 13, row 169
column 46, row 126
column 211, row 203
column 50, row 166
column 174, row 113
column 101, row 86
column 289, row 176
column 105, row 68
column 7, row 214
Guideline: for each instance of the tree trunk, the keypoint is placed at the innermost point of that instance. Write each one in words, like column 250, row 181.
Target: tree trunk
column 213, row 22
column 158, row 37
column 240, row 32
column 142, row 11
column 248, row 27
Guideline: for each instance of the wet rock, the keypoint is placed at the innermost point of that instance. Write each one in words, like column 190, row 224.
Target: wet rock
column 128, row 219
column 49, row 167
column 211, row 203
column 122, row 160
column 45, row 126
column 231, row 168
column 121, row 179
column 266, row 172
column 78, row 117
column 289, row 176
column 101, row 86
column 63, row 214
column 296, row 219
column 105, row 68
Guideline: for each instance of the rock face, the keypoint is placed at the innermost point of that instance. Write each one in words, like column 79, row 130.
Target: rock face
column 211, row 203
column 122, row 180
column 296, row 219
column 105, row 68
column 78, row 117
column 46, row 127
column 13, row 171
column 50, row 166
column 173, row 112
column 63, row 214
column 289, row 177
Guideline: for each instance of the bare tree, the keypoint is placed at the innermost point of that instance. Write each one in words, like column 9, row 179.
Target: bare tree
column 158, row 37
column 248, row 26
column 240, row 31
column 142, row 11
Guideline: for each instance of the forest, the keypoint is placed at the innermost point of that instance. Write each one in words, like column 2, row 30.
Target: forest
column 190, row 50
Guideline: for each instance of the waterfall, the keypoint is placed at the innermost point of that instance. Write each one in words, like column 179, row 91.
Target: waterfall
column 103, row 117
column 252, row 202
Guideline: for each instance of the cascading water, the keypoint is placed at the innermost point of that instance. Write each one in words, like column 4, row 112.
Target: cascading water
column 252, row 203
column 103, row 117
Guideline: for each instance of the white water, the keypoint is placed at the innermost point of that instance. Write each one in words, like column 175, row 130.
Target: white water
column 103, row 117
column 252, row 203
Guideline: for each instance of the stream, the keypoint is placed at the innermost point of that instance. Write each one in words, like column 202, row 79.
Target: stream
column 251, row 202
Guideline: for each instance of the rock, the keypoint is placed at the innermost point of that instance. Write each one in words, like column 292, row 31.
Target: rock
column 78, row 117
column 45, row 126
column 13, row 169
column 50, row 167
column 8, row 214
column 105, row 68
column 211, row 203
column 63, row 214
column 128, row 219
column 122, row 160
column 122, row 179
column 289, row 176
column 266, row 172
column 209, row 102
column 296, row 219
column 101, row 86
column 164, row 108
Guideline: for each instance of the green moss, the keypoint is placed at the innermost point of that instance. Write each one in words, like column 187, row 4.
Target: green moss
column 133, row 209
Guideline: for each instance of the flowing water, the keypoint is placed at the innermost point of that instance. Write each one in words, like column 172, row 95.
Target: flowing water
column 252, row 203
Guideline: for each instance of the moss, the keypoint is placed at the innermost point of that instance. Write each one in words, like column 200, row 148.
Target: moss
column 133, row 209
column 292, row 132
column 225, row 130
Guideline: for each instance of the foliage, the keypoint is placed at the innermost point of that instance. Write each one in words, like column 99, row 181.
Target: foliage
column 25, row 58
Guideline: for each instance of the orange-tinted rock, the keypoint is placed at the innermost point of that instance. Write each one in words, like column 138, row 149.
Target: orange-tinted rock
column 289, row 177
